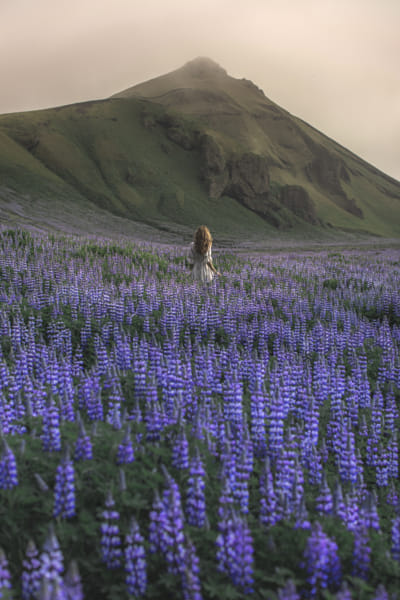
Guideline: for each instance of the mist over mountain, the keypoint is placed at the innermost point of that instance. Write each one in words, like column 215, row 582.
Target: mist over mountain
column 192, row 146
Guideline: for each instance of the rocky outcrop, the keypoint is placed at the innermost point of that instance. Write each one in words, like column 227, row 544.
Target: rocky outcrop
column 177, row 131
column 297, row 200
column 330, row 172
column 214, row 170
column 249, row 181
column 244, row 177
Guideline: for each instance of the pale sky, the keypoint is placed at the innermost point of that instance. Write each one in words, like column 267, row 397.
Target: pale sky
column 333, row 63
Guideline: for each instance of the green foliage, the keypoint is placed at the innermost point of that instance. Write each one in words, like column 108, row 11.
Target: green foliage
column 330, row 284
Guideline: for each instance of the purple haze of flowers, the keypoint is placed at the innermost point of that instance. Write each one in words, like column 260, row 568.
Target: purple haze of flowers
column 31, row 571
column 321, row 562
column 111, row 552
column 5, row 577
column 64, row 490
column 8, row 468
column 135, row 561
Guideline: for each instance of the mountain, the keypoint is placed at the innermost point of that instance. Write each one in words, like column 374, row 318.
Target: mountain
column 192, row 146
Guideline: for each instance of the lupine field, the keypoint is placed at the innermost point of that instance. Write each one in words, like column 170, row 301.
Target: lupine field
column 162, row 438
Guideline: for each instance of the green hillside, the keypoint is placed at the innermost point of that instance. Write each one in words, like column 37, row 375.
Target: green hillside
column 192, row 146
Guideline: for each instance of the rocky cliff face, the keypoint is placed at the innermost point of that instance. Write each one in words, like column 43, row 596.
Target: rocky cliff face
column 297, row 200
column 330, row 173
column 244, row 177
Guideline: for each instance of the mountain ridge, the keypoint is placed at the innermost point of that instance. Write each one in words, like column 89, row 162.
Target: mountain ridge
column 215, row 145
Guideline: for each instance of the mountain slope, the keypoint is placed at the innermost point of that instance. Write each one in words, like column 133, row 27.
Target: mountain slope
column 345, row 190
column 192, row 146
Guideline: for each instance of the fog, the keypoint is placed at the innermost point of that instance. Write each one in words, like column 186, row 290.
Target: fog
column 333, row 63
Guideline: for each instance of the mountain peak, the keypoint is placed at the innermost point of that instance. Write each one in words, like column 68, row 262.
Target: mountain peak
column 203, row 67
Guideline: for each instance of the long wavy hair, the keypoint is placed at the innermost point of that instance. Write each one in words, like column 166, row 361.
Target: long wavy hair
column 202, row 239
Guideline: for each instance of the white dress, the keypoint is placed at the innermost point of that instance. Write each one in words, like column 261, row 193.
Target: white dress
column 201, row 271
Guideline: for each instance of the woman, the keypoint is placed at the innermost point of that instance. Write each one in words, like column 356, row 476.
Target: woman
column 200, row 255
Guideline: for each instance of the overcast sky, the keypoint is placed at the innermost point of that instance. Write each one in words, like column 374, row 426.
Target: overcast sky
column 334, row 63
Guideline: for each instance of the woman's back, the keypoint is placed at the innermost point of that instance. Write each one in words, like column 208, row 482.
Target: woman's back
column 201, row 271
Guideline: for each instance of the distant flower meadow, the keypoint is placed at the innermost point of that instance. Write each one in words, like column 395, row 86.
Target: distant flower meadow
column 162, row 437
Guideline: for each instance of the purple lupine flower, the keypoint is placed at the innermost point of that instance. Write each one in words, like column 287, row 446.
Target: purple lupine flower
column 51, row 439
column 51, row 561
column 258, row 428
column 195, row 498
column 392, row 497
column 31, row 571
column 83, row 444
column 244, row 468
column 241, row 491
column 269, row 501
column 5, row 577
column 235, row 550
column 347, row 459
column 324, row 500
column 64, row 490
column 153, row 419
column 288, row 592
column 180, row 452
column 157, row 527
column 276, row 428
column 191, row 586
column 173, row 526
column 73, row 589
column 361, row 553
column 111, row 552
column 229, row 466
column 352, row 511
column 54, row 590
column 135, row 561
column 125, row 454
column 381, row 593
column 339, row 506
column 395, row 532
column 321, row 562
column 393, row 455
column 382, row 467
column 344, row 593
column 302, row 519
column 369, row 513
column 90, row 393
column 8, row 468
